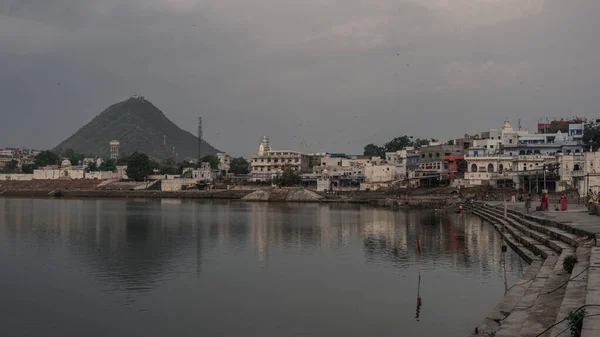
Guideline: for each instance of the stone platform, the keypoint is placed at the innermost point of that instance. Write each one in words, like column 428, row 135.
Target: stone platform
column 539, row 303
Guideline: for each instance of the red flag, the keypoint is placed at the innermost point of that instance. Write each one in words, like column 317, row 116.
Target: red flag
column 418, row 249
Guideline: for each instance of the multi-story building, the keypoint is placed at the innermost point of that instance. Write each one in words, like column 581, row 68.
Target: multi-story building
column 224, row 162
column 268, row 163
column 579, row 171
column 114, row 149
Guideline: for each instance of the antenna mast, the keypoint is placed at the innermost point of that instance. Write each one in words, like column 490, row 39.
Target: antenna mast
column 199, row 140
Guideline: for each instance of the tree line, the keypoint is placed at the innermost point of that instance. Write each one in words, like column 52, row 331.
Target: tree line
column 141, row 164
column 396, row 144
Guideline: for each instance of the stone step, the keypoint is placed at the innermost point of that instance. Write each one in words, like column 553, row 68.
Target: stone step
column 544, row 311
column 536, row 232
column 576, row 232
column 532, row 244
column 553, row 293
column 517, row 292
column 528, row 255
column 591, row 324
column 575, row 292
column 491, row 323
column 516, row 319
column 538, row 225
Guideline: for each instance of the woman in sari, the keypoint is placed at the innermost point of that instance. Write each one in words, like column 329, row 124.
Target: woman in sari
column 545, row 203
column 563, row 202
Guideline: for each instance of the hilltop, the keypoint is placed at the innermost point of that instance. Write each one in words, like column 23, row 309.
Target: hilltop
column 139, row 126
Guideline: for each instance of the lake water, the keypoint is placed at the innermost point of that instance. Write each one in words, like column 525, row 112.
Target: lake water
column 186, row 268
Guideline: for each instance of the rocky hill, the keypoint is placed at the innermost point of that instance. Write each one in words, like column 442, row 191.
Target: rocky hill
column 139, row 126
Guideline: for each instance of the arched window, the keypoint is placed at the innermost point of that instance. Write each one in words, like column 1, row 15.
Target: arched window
column 474, row 168
column 529, row 152
column 490, row 168
column 576, row 167
column 500, row 168
column 522, row 153
column 536, row 152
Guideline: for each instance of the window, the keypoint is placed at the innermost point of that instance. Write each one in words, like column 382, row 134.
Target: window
column 491, row 146
column 423, row 156
column 431, row 155
column 437, row 155
column 510, row 141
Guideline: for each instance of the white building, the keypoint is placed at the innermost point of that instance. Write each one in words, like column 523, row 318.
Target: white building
column 224, row 162
column 268, row 163
column 579, row 171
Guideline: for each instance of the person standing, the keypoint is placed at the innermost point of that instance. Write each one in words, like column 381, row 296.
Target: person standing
column 512, row 197
column 545, row 202
column 528, row 203
column 563, row 202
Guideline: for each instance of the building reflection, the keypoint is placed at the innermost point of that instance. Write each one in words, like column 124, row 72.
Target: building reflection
column 134, row 244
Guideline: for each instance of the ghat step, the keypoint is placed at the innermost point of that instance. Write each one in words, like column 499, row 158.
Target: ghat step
column 551, row 295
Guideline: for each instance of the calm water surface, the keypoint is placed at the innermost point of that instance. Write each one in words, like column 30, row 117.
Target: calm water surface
column 173, row 268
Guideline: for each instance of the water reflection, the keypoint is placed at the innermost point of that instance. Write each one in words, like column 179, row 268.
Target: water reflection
column 341, row 268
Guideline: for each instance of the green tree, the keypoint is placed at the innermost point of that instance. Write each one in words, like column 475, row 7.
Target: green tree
column 27, row 168
column 289, row 177
column 422, row 142
column 213, row 160
column 91, row 167
column 168, row 166
column 398, row 143
column 123, row 160
column 373, row 150
column 462, row 166
column 46, row 158
column 239, row 166
column 138, row 166
column 11, row 167
column 109, row 165
column 73, row 157
column 591, row 136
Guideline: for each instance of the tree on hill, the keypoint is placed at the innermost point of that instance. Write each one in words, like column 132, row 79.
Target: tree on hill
column 239, row 166
column 138, row 166
column 591, row 136
column 46, row 158
column 213, row 160
column 288, row 178
column 73, row 157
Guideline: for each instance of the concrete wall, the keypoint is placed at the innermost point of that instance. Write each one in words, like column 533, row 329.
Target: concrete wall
column 176, row 184
column 380, row 174
column 323, row 185
column 163, row 176
column 102, row 175
column 57, row 174
column 20, row 177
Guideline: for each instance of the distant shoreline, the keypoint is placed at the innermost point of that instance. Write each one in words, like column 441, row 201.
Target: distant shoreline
column 373, row 199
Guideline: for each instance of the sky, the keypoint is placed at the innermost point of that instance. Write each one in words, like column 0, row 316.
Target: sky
column 313, row 75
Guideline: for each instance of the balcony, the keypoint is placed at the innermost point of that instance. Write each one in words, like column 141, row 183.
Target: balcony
column 578, row 173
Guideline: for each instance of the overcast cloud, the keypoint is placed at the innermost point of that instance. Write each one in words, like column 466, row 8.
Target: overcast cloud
column 314, row 75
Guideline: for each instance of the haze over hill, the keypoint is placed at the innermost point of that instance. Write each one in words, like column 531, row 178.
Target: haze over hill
column 139, row 126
